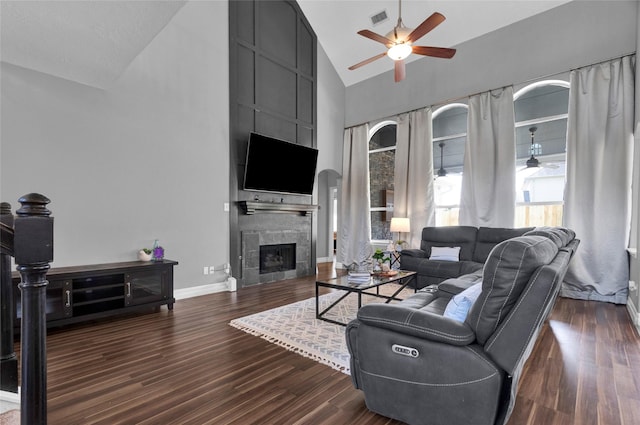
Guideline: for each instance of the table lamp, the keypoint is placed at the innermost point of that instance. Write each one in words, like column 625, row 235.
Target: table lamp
column 400, row 225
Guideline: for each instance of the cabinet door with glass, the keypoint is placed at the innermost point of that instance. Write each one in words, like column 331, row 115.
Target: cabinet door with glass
column 58, row 304
column 146, row 286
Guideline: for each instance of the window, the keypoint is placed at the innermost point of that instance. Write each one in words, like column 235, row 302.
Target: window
column 382, row 155
column 449, row 138
column 541, row 111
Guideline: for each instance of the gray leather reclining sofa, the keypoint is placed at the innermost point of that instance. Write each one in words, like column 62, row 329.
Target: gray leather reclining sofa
column 475, row 244
column 416, row 365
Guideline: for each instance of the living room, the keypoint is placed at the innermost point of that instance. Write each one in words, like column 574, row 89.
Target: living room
column 141, row 151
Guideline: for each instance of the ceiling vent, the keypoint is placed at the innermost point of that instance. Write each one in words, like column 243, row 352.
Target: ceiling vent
column 379, row 17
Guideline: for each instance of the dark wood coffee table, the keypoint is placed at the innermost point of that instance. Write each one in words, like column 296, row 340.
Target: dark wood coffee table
column 343, row 283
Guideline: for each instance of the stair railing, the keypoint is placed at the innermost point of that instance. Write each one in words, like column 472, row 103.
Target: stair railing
column 33, row 251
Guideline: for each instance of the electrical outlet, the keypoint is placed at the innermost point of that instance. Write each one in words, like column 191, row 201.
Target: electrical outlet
column 205, row 270
column 212, row 270
column 225, row 207
column 632, row 286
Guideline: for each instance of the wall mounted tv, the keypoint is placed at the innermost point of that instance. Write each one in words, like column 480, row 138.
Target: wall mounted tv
column 275, row 165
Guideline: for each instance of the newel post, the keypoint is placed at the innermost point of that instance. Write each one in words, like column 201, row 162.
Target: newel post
column 33, row 251
column 8, row 358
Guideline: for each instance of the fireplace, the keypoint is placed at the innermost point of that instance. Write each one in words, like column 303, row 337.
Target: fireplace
column 296, row 254
column 279, row 257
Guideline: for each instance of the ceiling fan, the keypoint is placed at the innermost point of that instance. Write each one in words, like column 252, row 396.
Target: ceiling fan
column 399, row 42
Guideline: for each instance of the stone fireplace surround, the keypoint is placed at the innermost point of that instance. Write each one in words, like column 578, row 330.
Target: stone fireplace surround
column 273, row 223
column 253, row 239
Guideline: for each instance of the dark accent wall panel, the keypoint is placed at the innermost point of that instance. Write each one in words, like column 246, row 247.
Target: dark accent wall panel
column 305, row 109
column 246, row 75
column 306, row 56
column 273, row 86
column 245, row 18
column 276, row 29
column 269, row 124
column 276, row 88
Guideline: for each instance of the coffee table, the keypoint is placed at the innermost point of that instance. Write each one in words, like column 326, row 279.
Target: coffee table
column 343, row 283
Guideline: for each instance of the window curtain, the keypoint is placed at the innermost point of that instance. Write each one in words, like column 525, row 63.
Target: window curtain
column 414, row 171
column 354, row 247
column 598, row 188
column 488, row 180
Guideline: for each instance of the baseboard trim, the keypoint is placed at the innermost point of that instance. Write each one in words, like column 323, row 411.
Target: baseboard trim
column 634, row 315
column 9, row 401
column 211, row 288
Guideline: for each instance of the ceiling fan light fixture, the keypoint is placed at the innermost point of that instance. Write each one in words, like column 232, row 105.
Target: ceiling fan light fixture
column 399, row 51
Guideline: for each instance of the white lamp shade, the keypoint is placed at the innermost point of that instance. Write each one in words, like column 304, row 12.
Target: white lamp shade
column 400, row 224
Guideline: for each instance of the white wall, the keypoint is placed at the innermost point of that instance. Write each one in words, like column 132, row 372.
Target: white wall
column 144, row 159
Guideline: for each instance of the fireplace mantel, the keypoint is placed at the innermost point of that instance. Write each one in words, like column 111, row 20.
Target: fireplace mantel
column 253, row 207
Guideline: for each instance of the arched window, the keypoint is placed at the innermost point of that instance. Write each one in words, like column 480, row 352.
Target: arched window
column 382, row 155
column 541, row 111
column 449, row 138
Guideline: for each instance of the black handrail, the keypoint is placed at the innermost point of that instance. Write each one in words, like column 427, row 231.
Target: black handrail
column 32, row 249
column 8, row 358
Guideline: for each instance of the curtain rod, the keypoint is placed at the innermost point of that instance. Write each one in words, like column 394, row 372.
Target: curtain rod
column 456, row 99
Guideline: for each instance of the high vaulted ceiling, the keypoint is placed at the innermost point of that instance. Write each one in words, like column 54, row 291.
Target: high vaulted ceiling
column 336, row 23
column 92, row 42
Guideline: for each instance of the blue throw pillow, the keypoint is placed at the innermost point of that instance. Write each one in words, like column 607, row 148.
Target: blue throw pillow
column 459, row 305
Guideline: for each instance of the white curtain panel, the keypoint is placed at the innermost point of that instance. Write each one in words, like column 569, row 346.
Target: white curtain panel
column 597, row 198
column 488, row 180
column 354, row 245
column 414, row 170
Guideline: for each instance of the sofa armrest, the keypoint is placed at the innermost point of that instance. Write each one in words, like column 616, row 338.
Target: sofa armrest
column 421, row 324
column 412, row 252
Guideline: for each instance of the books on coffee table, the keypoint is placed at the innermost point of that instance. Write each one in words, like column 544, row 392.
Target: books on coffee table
column 359, row 277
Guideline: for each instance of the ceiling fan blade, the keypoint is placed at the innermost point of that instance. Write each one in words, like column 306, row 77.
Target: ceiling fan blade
column 366, row 61
column 430, row 23
column 399, row 70
column 438, row 52
column 376, row 37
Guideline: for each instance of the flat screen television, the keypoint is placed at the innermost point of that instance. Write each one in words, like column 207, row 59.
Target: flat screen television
column 274, row 165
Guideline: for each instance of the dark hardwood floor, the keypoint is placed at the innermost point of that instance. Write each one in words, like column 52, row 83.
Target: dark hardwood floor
column 188, row 366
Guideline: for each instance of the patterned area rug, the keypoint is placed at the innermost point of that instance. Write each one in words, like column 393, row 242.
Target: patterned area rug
column 295, row 327
column 11, row 417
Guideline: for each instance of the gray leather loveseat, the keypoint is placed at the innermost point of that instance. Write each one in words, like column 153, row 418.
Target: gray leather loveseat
column 419, row 365
column 472, row 245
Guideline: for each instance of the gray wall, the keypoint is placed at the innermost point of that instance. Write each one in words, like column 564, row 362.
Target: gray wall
column 569, row 36
column 144, row 159
column 331, row 113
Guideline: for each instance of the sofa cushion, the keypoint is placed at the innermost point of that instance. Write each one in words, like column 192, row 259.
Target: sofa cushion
column 506, row 272
column 437, row 268
column 456, row 285
column 451, row 236
column 560, row 235
column 489, row 237
column 458, row 307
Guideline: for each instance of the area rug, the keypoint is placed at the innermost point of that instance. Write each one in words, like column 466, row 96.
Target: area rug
column 295, row 327
column 11, row 417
